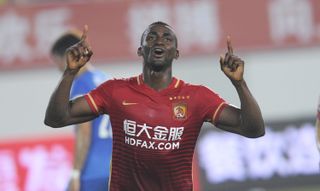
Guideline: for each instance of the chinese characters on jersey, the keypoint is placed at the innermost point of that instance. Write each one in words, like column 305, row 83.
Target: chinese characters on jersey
column 156, row 138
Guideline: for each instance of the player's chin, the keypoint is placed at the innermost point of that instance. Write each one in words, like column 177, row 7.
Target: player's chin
column 158, row 65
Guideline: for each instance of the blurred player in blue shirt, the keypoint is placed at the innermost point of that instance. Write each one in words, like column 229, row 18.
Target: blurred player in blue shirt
column 93, row 139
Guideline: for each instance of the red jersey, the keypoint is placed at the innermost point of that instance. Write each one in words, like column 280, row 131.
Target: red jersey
column 154, row 132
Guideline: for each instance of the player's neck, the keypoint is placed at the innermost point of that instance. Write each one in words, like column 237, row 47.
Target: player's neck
column 157, row 80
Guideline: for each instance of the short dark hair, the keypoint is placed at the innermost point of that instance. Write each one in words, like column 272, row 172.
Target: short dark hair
column 158, row 23
column 64, row 42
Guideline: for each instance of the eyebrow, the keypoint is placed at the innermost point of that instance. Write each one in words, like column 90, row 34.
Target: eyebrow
column 164, row 34
column 167, row 34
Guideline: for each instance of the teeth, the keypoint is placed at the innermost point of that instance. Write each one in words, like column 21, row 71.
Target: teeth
column 158, row 50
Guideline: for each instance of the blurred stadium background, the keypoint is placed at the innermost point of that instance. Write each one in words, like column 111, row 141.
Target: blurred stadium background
column 278, row 39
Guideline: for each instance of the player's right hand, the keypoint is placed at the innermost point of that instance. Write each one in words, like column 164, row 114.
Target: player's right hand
column 80, row 53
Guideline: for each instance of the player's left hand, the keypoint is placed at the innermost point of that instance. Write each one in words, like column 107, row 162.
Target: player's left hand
column 232, row 65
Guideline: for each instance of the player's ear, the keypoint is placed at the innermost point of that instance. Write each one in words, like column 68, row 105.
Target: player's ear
column 139, row 51
column 177, row 54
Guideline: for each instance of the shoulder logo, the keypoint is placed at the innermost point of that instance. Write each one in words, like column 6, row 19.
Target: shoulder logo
column 124, row 102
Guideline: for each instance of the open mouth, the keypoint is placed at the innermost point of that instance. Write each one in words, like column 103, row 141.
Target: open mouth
column 158, row 52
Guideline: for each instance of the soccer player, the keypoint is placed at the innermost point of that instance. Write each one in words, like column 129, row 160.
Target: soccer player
column 318, row 127
column 93, row 139
column 156, row 118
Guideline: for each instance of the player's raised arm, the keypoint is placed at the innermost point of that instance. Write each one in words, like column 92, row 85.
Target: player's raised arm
column 60, row 111
column 247, row 120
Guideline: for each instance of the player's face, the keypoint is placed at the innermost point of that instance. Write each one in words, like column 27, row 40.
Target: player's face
column 159, row 47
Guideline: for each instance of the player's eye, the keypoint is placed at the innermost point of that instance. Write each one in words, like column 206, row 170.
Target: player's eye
column 150, row 38
column 168, row 39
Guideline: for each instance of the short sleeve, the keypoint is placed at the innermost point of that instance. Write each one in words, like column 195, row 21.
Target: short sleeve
column 211, row 104
column 100, row 98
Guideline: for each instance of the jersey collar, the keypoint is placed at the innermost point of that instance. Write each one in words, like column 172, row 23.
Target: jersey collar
column 174, row 83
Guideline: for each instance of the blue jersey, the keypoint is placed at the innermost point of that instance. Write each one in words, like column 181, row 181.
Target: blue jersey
column 96, row 166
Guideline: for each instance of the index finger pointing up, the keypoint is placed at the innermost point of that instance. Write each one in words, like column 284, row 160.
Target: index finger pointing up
column 230, row 49
column 84, row 33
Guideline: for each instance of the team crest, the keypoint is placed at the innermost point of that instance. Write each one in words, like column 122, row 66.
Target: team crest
column 180, row 111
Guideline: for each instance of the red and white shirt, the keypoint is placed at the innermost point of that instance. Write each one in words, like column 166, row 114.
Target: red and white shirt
column 154, row 132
